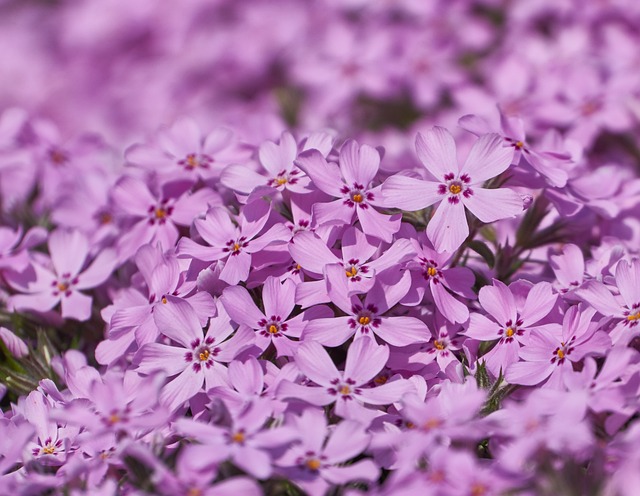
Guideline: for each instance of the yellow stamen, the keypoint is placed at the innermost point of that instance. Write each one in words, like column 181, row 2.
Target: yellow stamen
column 478, row 489
column 519, row 144
column 560, row 354
column 238, row 437
column 62, row 286
column 114, row 418
column 364, row 320
column 313, row 464
column 160, row 213
column 192, row 162
column 432, row 271
column 382, row 379
column 357, row 198
column 106, row 218
column 633, row 317
column 194, row 491
column 455, row 188
column 164, row 300
column 49, row 450
column 281, row 180
column 345, row 390
column 352, row 271
column 439, row 345
column 431, row 424
column 236, row 247
column 509, row 332
column 273, row 329
column 410, row 425
column 204, row 355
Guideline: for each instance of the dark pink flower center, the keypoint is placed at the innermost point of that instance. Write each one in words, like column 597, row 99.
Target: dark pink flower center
column 194, row 160
column 274, row 327
column 64, row 285
column 364, row 318
column 235, row 246
column 353, row 269
column 201, row 354
column 356, row 196
column 510, row 330
column 284, row 177
column 453, row 187
column 158, row 214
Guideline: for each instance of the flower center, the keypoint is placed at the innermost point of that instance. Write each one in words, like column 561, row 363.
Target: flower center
column 160, row 213
column 62, row 286
column 455, row 188
column 633, row 317
column 560, row 354
column 519, row 145
column 356, row 197
column 432, row 271
column 431, row 424
column 49, row 450
column 280, row 181
column 204, row 354
column 313, row 464
column 364, row 320
column 352, row 271
column 273, row 329
column 238, row 437
column 345, row 390
column 439, row 345
column 193, row 161
column 509, row 332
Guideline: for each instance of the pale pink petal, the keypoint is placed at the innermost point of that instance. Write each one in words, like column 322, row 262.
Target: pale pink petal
column 308, row 250
column 16, row 346
column 402, row 331
column 488, row 157
column 347, row 440
column 335, row 212
column 184, row 387
column 276, row 235
column 177, row 320
column 528, row 373
column 448, row 227
column 325, row 176
column 247, row 377
column 240, row 307
column 408, row 193
column 253, row 218
column 155, row 356
column 188, row 247
column 318, row 396
column 490, row 205
column 314, row 362
column 437, row 151
column 569, row 265
column 276, row 158
column 132, row 196
column 217, row 140
column 190, row 206
column 365, row 470
column 482, row 328
column 99, row 270
column 452, row 309
column 241, row 178
column 68, row 250
column 378, row 225
column 596, row 294
column 358, row 164
column 499, row 302
column 41, row 302
column 539, row 303
column 364, row 360
column 236, row 268
column 217, row 228
column 76, row 306
column 628, row 281
column 278, row 298
column 387, row 393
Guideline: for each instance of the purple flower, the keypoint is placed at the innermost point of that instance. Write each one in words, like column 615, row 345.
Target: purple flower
column 366, row 319
column 46, row 286
column 195, row 360
column 455, row 187
column 234, row 244
column 350, row 183
column 346, row 389
column 511, row 325
column 318, row 460
column 550, row 353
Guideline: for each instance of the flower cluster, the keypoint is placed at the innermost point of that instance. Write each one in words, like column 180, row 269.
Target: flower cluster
column 394, row 307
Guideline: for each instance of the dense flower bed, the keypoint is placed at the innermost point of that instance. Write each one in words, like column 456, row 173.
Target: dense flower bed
column 324, row 247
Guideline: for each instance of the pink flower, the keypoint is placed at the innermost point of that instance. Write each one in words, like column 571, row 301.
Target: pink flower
column 550, row 353
column 196, row 360
column 511, row 325
column 455, row 187
column 346, row 389
column 46, row 286
column 350, row 183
